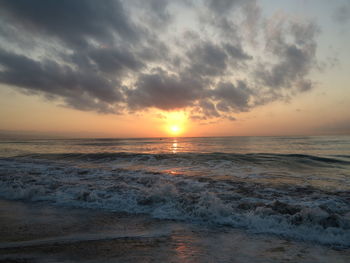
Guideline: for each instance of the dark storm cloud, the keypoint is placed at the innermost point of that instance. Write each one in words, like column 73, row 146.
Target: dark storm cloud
column 222, row 6
column 236, row 52
column 208, row 109
column 54, row 79
column 222, row 101
column 111, row 60
column 73, row 22
column 207, row 59
column 164, row 91
column 231, row 97
column 294, row 65
column 101, row 41
column 296, row 57
column 110, row 56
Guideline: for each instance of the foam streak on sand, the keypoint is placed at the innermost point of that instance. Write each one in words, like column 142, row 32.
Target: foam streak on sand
column 213, row 189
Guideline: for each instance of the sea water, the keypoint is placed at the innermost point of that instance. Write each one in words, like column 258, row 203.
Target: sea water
column 296, row 188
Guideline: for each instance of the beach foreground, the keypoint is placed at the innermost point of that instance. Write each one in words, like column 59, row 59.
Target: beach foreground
column 39, row 232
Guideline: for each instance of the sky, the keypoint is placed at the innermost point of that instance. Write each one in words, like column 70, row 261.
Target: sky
column 155, row 68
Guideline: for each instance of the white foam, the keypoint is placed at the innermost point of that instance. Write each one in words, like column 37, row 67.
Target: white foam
column 169, row 196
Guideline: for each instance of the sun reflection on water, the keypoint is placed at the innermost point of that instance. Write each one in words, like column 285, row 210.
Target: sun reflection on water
column 174, row 146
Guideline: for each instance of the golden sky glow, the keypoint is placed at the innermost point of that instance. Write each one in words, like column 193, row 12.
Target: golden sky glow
column 174, row 130
column 175, row 123
column 297, row 117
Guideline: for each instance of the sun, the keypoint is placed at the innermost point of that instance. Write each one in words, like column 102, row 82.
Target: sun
column 175, row 129
column 175, row 123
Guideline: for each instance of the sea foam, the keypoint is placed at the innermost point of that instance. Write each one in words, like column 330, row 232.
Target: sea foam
column 298, row 212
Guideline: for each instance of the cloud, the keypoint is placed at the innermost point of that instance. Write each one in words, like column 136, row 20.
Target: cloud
column 219, row 58
column 342, row 13
column 222, row 6
column 236, row 52
column 294, row 47
column 155, row 12
column 207, row 59
column 232, row 98
column 164, row 91
column 110, row 60
column 72, row 22
column 54, row 79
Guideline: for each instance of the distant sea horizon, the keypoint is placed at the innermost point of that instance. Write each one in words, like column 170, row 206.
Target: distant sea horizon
column 27, row 134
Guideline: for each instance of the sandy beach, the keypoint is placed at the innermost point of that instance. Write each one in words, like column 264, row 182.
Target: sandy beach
column 44, row 233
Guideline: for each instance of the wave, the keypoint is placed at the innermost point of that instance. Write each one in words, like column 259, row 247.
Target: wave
column 249, row 158
column 292, row 211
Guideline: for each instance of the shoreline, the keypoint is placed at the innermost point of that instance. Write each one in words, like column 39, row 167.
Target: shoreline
column 39, row 232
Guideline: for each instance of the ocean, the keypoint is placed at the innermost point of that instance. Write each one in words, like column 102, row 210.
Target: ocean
column 291, row 188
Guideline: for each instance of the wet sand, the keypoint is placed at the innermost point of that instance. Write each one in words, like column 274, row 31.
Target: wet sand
column 39, row 232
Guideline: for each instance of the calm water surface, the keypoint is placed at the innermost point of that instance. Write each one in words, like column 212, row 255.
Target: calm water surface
column 318, row 145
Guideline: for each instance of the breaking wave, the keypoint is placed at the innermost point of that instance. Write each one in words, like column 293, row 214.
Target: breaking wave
column 249, row 157
column 238, row 190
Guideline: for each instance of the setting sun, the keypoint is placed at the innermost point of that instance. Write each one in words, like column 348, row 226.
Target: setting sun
column 175, row 123
column 175, row 130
